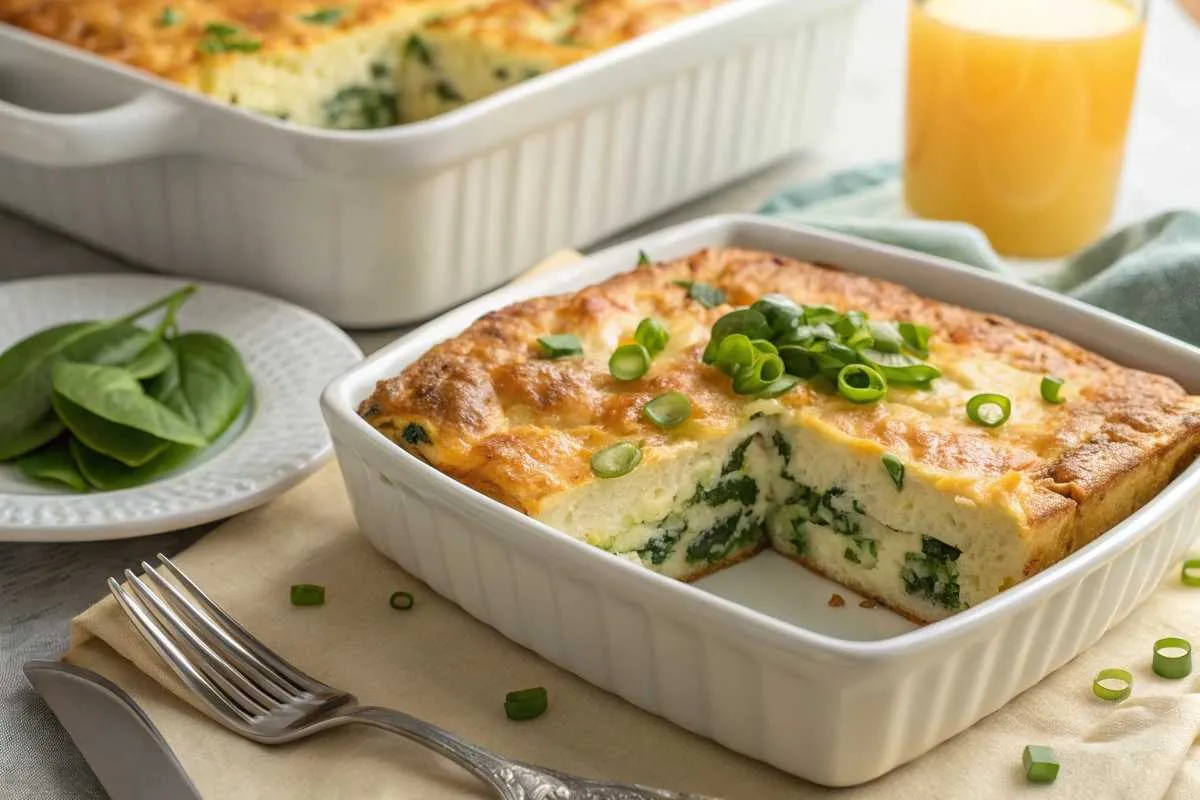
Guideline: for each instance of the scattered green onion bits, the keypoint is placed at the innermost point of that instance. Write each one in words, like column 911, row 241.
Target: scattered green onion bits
column 859, row 383
column 616, row 460
column 526, row 703
column 668, row 410
column 702, row 293
column 401, row 601
column 1113, row 684
column 643, row 259
column 736, row 352
column 765, row 369
column 308, row 594
column 561, row 345
column 916, row 337
column 779, row 387
column 1172, row 657
column 814, row 342
column 895, row 469
column 629, row 362
column 1041, row 764
column 1190, row 573
column 1051, row 386
column 651, row 335
column 989, row 410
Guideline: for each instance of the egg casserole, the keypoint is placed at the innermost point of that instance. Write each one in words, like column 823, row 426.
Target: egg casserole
column 338, row 65
column 910, row 492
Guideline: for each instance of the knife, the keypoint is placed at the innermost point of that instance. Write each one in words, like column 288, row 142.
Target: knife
column 128, row 754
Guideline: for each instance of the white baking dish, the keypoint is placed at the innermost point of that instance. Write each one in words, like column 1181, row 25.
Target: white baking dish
column 836, row 696
column 380, row 227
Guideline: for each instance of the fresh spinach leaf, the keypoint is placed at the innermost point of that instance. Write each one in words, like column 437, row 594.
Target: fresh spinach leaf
column 53, row 463
column 44, row 430
column 26, row 367
column 166, row 388
column 213, row 380
column 127, row 445
column 110, row 345
column 151, row 361
column 116, row 396
column 109, row 474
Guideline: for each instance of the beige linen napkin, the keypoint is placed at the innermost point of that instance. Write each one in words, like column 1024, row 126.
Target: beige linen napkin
column 440, row 664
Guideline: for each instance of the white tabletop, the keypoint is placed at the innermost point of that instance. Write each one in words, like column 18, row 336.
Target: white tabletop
column 43, row 586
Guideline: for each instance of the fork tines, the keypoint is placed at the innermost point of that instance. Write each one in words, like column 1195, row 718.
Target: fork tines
column 238, row 677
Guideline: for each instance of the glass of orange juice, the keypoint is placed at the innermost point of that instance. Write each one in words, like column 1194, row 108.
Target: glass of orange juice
column 1017, row 114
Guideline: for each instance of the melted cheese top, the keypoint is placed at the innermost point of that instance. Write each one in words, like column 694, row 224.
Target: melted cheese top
column 522, row 428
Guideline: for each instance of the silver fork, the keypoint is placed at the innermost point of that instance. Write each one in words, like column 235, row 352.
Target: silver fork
column 249, row 689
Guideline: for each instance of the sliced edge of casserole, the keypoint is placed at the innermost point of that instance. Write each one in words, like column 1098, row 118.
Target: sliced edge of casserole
column 908, row 499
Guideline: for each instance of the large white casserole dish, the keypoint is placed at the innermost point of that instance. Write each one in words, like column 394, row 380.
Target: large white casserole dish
column 373, row 228
column 752, row 657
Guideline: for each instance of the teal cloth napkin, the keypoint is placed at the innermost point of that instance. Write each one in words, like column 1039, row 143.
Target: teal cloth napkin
column 1148, row 272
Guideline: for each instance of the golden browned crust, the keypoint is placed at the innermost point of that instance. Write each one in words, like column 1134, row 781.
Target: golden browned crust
column 131, row 31
column 522, row 428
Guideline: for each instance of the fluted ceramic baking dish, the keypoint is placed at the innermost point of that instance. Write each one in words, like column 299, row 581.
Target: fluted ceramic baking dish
column 373, row 228
column 753, row 657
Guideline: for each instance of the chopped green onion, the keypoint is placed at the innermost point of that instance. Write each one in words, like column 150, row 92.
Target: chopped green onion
column 765, row 370
column 616, row 460
column 886, row 336
column 643, row 259
column 324, row 16
column 860, row 384
column 735, row 352
column 989, row 410
column 815, row 315
column 668, row 410
column 799, row 361
column 915, row 336
column 1041, row 764
column 651, row 335
column 169, row 17
column 221, row 37
column 702, row 293
column 899, row 367
column 629, row 362
column 1172, row 657
column 1050, row 389
column 745, row 321
column 1187, row 576
column 895, row 468
column 561, row 345
column 1113, row 684
column 401, row 601
column 526, row 703
column 778, row 387
column 763, row 346
column 779, row 311
column 308, row 594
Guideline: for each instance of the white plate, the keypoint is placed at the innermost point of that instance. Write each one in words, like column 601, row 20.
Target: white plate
column 291, row 354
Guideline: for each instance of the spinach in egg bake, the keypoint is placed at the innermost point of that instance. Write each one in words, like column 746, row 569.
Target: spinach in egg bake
column 688, row 414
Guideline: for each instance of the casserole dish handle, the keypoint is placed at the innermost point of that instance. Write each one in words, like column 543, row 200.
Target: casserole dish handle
column 143, row 126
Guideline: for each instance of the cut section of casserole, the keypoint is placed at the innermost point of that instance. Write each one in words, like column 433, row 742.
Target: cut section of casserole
column 321, row 64
column 973, row 511
column 461, row 58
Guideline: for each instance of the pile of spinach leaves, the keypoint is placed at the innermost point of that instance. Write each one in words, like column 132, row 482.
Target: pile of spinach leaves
column 110, row 404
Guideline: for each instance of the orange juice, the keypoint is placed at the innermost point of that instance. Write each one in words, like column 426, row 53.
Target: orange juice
column 1017, row 112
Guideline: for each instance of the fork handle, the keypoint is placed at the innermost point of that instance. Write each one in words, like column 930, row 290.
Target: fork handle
column 511, row 780
column 482, row 763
